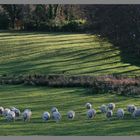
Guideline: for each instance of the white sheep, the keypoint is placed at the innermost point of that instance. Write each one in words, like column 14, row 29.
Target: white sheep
column 1, row 110
column 17, row 111
column 46, row 116
column 54, row 109
column 88, row 105
column 136, row 113
column 111, row 106
column 56, row 116
column 91, row 113
column 103, row 108
column 131, row 108
column 6, row 111
column 120, row 113
column 12, row 108
column 27, row 115
column 109, row 113
column 10, row 116
column 71, row 114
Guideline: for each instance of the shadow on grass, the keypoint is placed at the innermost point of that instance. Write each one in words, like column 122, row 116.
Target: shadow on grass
column 68, row 59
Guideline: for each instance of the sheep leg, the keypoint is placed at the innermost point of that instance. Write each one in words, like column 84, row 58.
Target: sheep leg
column 24, row 119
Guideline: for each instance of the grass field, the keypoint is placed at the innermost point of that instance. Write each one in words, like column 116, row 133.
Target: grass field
column 41, row 99
column 61, row 53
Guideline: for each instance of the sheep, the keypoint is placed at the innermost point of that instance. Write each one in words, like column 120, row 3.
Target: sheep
column 88, row 105
column 1, row 110
column 54, row 109
column 109, row 113
column 27, row 115
column 12, row 108
column 136, row 113
column 111, row 106
column 46, row 116
column 91, row 113
column 103, row 108
column 120, row 113
column 10, row 116
column 71, row 115
column 17, row 111
column 56, row 116
column 131, row 108
column 6, row 111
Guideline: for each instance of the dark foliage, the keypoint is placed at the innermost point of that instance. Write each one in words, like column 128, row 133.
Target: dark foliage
column 119, row 23
column 114, row 84
column 4, row 21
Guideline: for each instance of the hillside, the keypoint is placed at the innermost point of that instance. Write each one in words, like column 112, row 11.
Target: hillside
column 61, row 53
column 24, row 53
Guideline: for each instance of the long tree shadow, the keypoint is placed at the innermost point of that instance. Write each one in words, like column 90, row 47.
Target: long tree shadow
column 128, row 57
column 126, row 54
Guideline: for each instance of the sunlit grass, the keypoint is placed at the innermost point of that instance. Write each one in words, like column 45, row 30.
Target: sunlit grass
column 60, row 53
column 40, row 99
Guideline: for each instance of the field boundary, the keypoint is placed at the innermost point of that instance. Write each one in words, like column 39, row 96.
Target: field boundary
column 119, row 84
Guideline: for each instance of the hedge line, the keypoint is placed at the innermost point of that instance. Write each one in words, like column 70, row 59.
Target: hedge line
column 118, row 84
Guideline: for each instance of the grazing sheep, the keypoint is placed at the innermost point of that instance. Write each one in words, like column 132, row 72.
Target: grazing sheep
column 54, row 109
column 10, row 116
column 136, row 113
column 111, row 106
column 12, row 108
column 71, row 115
column 17, row 111
column 103, row 108
column 109, row 113
column 120, row 113
column 56, row 116
column 27, row 115
column 46, row 116
column 91, row 113
column 88, row 105
column 1, row 110
column 6, row 111
column 131, row 108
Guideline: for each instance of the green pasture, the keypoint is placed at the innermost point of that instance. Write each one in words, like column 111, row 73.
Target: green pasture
column 69, row 54
column 40, row 99
column 62, row 53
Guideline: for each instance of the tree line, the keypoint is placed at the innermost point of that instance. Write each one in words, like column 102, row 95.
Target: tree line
column 41, row 17
column 119, row 23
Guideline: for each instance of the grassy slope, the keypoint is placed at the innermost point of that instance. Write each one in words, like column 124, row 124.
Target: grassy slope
column 60, row 53
column 69, row 54
column 41, row 99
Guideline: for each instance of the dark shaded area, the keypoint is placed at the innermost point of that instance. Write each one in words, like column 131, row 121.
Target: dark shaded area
column 4, row 21
column 120, row 24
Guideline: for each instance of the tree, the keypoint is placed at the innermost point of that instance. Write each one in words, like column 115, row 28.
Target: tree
column 39, row 14
column 14, row 12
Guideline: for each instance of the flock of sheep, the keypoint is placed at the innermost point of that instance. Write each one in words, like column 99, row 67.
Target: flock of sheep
column 108, row 111
column 11, row 114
